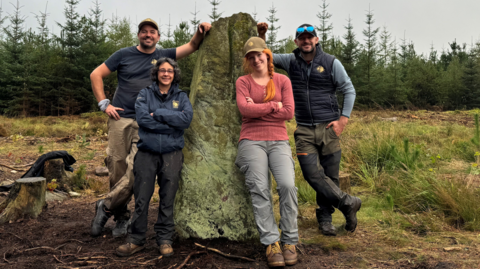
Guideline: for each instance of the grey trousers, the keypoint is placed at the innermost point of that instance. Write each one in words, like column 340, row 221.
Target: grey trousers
column 254, row 159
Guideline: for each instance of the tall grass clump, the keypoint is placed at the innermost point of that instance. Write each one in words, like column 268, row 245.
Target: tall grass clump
column 394, row 161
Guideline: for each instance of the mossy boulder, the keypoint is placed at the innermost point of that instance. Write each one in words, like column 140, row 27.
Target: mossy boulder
column 212, row 200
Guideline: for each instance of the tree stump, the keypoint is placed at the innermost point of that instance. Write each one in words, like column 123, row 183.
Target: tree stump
column 344, row 179
column 55, row 169
column 25, row 200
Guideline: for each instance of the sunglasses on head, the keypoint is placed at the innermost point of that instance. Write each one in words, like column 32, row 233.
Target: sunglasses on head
column 301, row 30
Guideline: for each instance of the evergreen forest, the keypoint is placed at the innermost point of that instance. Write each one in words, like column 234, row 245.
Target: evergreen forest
column 45, row 74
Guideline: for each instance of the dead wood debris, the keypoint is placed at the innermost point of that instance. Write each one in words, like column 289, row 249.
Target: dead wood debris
column 189, row 256
column 225, row 254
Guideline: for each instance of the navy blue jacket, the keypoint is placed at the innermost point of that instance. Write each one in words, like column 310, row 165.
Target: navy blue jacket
column 162, row 132
column 313, row 88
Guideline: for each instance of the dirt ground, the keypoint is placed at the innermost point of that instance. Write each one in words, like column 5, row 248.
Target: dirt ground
column 59, row 238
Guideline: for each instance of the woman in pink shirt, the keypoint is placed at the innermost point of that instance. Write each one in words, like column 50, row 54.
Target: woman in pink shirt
column 265, row 100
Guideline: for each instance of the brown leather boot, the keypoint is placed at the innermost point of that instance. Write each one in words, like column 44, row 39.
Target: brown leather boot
column 289, row 254
column 166, row 250
column 274, row 255
column 128, row 249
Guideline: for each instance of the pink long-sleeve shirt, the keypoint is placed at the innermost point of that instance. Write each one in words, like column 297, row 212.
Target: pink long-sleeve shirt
column 264, row 121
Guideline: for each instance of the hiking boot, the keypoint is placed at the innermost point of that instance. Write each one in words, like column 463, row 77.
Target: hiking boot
column 101, row 217
column 289, row 254
column 166, row 250
column 120, row 228
column 128, row 249
column 350, row 206
column 274, row 255
column 327, row 228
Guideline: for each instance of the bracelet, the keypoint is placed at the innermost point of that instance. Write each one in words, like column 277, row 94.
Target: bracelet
column 103, row 104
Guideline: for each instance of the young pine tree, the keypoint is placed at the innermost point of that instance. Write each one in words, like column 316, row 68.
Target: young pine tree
column 272, row 19
column 13, row 76
column 325, row 28
column 215, row 15
column 195, row 21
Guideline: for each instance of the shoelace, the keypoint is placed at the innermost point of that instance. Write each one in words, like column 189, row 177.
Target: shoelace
column 289, row 247
column 276, row 249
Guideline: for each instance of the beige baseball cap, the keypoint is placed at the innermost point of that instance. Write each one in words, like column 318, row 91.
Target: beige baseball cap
column 147, row 21
column 254, row 44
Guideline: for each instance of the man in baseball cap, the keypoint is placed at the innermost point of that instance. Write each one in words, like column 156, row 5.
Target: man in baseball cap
column 316, row 77
column 133, row 65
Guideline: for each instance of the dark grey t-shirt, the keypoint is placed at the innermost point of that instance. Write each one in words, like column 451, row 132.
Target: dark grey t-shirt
column 133, row 73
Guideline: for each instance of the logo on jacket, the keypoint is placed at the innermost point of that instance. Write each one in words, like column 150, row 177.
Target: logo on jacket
column 175, row 104
column 154, row 61
column 320, row 69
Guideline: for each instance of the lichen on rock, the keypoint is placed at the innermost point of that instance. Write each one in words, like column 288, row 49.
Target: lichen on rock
column 212, row 200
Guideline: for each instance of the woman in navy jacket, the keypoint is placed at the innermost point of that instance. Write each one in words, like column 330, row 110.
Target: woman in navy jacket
column 163, row 112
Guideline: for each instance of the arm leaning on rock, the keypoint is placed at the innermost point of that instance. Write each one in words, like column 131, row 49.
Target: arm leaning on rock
column 344, row 85
column 252, row 110
column 186, row 49
column 177, row 119
column 145, row 120
column 288, row 109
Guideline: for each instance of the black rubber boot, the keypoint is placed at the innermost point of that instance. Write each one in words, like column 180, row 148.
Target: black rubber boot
column 327, row 229
column 349, row 207
column 101, row 217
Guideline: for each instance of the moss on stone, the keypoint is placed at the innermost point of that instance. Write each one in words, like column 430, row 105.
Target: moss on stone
column 212, row 200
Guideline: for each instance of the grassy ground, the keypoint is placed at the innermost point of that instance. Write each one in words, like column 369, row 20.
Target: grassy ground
column 418, row 177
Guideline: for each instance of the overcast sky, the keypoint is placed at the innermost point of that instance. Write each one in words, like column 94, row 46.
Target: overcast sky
column 425, row 22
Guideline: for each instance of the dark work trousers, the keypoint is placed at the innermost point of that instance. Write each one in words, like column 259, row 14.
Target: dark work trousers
column 167, row 167
column 319, row 154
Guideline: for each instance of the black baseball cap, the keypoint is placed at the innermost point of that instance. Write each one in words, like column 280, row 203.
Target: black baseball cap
column 305, row 28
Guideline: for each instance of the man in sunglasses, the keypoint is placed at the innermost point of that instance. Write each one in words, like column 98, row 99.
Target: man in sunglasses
column 133, row 65
column 316, row 76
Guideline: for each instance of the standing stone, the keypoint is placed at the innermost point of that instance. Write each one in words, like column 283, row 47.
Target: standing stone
column 212, row 200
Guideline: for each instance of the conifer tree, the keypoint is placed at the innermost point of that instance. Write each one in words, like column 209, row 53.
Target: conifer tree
column 367, row 62
column 325, row 27
column 254, row 13
column 272, row 42
column 384, row 47
column 215, row 15
column 74, row 96
column 471, row 81
column 349, row 55
column 195, row 21
column 14, row 49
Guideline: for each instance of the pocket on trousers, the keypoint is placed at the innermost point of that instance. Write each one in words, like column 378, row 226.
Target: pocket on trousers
column 332, row 133
column 243, row 168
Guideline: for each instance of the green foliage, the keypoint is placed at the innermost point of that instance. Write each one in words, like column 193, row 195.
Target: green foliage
column 406, row 159
column 476, row 137
column 40, row 149
column 82, row 141
column 79, row 179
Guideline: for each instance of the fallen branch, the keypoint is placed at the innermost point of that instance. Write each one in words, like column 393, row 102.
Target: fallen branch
column 171, row 266
column 62, row 245
column 30, row 249
column 145, row 263
column 5, row 258
column 58, row 260
column 189, row 256
column 25, row 165
column 9, row 167
column 97, row 257
column 299, row 250
column 225, row 254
